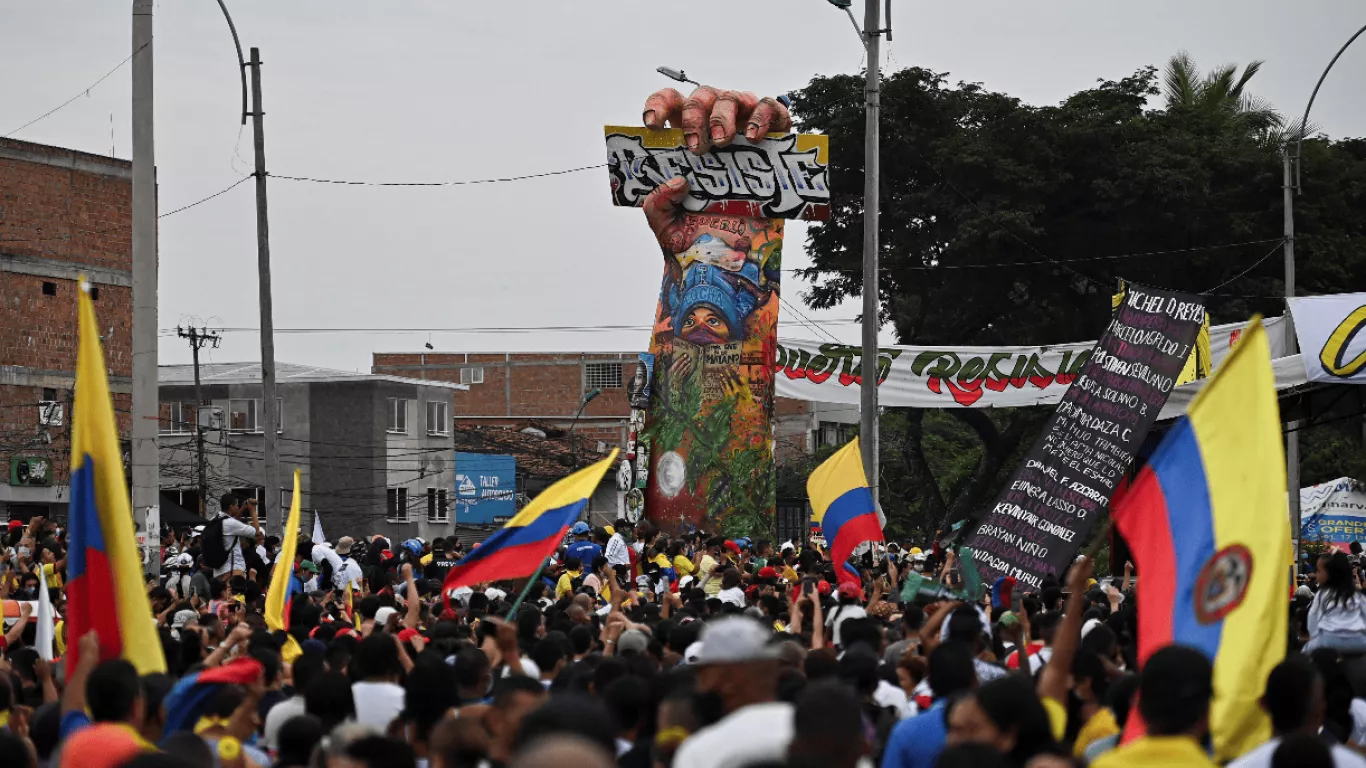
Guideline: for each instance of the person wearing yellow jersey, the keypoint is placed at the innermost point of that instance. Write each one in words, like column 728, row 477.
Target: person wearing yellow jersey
column 52, row 567
column 1091, row 720
column 682, row 564
column 573, row 571
column 1175, row 689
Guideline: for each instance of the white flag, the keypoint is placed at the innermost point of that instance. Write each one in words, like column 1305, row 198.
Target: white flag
column 318, row 537
column 44, row 637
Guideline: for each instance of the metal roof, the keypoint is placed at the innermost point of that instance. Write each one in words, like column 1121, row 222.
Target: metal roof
column 285, row 373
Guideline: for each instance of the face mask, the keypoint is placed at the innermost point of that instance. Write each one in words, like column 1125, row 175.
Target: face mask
column 25, row 552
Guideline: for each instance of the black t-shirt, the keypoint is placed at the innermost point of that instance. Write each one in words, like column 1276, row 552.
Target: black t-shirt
column 440, row 565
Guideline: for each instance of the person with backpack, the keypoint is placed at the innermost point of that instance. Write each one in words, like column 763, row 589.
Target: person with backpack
column 222, row 539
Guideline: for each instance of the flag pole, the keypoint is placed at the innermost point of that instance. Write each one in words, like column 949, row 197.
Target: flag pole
column 518, row 602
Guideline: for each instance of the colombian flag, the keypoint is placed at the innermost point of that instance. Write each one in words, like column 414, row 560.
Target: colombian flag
column 191, row 695
column 519, row 548
column 104, row 570
column 280, row 593
column 843, row 506
column 1206, row 520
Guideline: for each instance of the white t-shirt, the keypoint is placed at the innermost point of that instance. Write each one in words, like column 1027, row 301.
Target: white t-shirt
column 617, row 553
column 233, row 530
column 888, row 695
column 278, row 716
column 1260, row 757
column 735, row 596
column 753, row 734
column 343, row 569
column 377, row 704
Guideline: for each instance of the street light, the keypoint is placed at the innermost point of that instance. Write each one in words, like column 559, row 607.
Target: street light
column 676, row 74
column 871, row 35
column 573, row 439
column 1292, row 436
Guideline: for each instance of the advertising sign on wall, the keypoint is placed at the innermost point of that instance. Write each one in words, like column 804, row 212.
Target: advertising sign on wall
column 1046, row 512
column 485, row 488
column 1334, row 512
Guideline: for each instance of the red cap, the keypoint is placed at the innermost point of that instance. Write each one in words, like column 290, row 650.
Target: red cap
column 732, row 546
column 851, row 590
column 823, row 587
column 345, row 631
column 16, row 524
column 407, row 635
column 767, row 572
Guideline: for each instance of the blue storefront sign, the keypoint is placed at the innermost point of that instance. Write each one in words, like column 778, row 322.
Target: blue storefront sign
column 485, row 488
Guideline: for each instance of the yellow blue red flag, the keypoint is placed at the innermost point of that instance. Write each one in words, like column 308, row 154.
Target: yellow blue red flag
column 104, row 590
column 843, row 506
column 281, row 589
column 522, row 545
column 1206, row 520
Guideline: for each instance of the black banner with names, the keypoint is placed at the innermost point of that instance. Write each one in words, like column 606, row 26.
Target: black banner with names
column 1047, row 510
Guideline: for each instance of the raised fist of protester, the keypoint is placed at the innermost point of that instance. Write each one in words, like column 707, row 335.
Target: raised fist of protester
column 713, row 117
column 1080, row 574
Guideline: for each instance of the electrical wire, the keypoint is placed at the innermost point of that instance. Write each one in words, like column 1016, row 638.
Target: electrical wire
column 224, row 190
column 1254, row 265
column 458, row 183
column 167, row 332
column 83, row 92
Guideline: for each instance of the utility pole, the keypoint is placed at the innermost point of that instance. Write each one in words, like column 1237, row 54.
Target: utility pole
column 199, row 338
column 272, row 500
column 144, row 468
column 1292, row 435
column 868, row 411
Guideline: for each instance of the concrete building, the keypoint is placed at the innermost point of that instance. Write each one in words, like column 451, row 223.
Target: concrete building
column 62, row 214
column 375, row 451
column 513, row 389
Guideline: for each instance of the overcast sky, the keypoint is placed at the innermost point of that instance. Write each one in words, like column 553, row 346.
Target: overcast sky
column 404, row 90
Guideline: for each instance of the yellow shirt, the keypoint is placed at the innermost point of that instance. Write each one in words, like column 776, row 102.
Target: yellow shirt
column 1164, row 751
column 1057, row 718
column 707, row 566
column 1101, row 725
column 565, row 586
column 683, row 566
column 53, row 576
column 661, row 560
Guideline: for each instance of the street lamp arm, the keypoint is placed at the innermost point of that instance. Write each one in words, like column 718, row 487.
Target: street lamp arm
column 1304, row 121
column 241, row 62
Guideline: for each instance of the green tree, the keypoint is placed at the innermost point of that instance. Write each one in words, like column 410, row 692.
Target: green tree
column 1007, row 223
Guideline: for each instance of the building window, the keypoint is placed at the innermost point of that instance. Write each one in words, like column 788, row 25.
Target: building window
column 50, row 410
column 398, row 505
column 437, row 511
column 243, row 494
column 398, row 416
column 94, row 293
column 49, row 289
column 242, row 415
column 834, row 434
column 472, row 375
column 602, row 376
column 438, row 417
column 179, row 420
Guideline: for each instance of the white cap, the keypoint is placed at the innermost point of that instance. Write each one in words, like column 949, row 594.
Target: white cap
column 383, row 614
column 735, row 640
column 693, row 653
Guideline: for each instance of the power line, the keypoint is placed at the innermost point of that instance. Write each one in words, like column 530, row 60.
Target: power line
column 503, row 329
column 1254, row 265
column 458, row 183
column 206, row 199
column 1174, row 251
column 83, row 92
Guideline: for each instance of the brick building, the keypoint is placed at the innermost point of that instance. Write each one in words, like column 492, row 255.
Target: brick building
column 62, row 214
column 513, row 389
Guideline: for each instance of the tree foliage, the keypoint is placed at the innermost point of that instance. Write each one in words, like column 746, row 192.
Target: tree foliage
column 1008, row 223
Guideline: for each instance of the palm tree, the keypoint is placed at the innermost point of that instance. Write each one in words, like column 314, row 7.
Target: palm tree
column 1221, row 96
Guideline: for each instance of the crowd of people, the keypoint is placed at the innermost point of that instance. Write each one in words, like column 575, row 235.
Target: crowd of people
column 638, row 648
